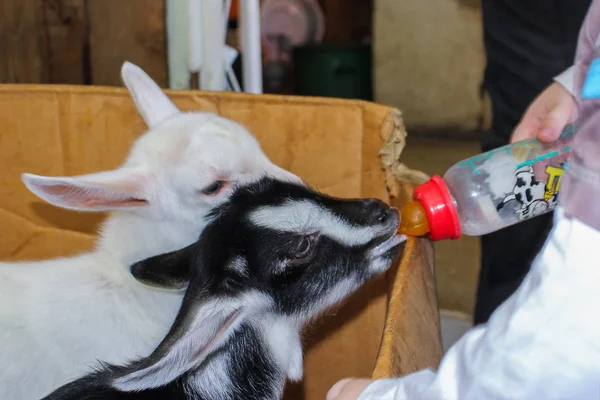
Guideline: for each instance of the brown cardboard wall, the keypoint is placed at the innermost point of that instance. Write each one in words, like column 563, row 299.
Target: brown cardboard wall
column 332, row 144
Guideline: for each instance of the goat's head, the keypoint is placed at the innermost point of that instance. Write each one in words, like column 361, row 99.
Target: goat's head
column 184, row 165
column 275, row 249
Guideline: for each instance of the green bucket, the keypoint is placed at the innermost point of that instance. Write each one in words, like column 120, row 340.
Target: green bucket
column 342, row 71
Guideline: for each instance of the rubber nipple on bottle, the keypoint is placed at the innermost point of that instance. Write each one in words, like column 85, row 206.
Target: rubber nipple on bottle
column 413, row 221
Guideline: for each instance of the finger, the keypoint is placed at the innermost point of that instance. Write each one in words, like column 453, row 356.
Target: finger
column 554, row 123
column 527, row 128
column 336, row 389
column 347, row 389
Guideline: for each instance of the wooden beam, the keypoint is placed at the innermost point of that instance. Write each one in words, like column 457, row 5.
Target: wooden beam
column 345, row 22
column 23, row 43
column 127, row 30
column 66, row 26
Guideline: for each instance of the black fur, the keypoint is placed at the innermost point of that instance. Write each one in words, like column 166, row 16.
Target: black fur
column 256, row 370
column 96, row 386
column 271, row 267
column 170, row 270
column 252, row 374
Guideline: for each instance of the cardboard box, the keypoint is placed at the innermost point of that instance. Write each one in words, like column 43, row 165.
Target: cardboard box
column 344, row 148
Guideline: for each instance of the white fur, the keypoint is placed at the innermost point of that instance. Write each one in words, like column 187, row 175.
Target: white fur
column 282, row 335
column 305, row 217
column 58, row 317
column 378, row 262
column 239, row 265
column 384, row 247
column 205, row 383
column 335, row 295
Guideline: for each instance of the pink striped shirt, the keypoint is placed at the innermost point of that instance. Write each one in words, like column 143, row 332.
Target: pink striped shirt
column 581, row 184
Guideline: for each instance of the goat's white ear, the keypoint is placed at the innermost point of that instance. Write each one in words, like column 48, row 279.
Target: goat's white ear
column 198, row 331
column 102, row 191
column 152, row 103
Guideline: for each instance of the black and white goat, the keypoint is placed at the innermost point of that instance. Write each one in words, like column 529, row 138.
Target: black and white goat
column 272, row 258
column 57, row 317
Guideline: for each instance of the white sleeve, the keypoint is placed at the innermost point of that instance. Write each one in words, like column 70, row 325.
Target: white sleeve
column 567, row 80
column 542, row 343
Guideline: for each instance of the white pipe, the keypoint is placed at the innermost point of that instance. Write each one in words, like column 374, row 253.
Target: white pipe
column 195, row 23
column 251, row 49
column 177, row 43
column 212, row 75
column 228, row 80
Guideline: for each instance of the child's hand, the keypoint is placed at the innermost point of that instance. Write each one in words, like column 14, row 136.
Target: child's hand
column 547, row 115
column 347, row 389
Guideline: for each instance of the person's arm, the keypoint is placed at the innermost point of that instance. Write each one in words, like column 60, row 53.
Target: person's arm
column 565, row 79
column 542, row 343
column 582, row 177
column 549, row 113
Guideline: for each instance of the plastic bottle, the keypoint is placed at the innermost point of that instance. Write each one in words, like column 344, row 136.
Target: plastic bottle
column 490, row 191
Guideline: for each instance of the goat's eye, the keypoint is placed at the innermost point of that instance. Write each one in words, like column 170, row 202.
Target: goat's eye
column 213, row 188
column 303, row 250
column 304, row 247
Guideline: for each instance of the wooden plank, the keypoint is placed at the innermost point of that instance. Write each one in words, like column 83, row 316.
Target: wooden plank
column 409, row 346
column 23, row 45
column 67, row 31
column 345, row 22
column 411, row 338
column 127, row 30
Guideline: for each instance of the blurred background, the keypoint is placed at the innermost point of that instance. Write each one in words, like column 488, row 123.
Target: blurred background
column 424, row 57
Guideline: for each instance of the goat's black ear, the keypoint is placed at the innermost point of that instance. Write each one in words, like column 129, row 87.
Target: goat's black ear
column 169, row 270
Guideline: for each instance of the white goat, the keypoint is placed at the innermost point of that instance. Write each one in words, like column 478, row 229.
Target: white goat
column 58, row 317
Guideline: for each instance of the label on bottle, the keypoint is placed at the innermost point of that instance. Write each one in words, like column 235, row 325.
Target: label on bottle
column 512, row 183
column 537, row 179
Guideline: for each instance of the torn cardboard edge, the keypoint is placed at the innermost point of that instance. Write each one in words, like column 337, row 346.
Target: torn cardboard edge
column 395, row 343
column 393, row 132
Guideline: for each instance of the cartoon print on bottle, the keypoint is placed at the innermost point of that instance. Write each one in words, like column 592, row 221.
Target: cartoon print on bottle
column 534, row 196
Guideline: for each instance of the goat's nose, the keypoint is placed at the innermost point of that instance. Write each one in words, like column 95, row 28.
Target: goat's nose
column 378, row 211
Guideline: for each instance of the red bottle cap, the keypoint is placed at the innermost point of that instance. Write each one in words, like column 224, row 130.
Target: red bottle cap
column 439, row 208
